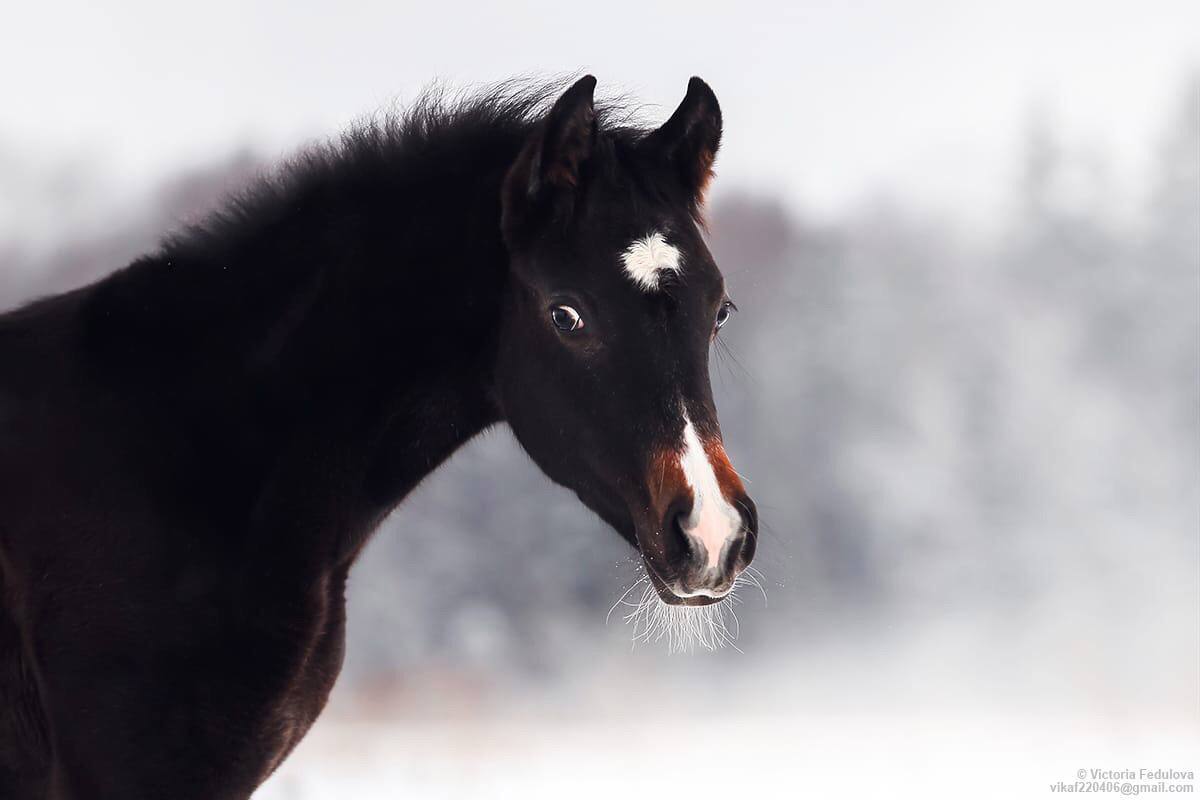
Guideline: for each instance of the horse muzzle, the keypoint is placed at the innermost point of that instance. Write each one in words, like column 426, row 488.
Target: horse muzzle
column 701, row 552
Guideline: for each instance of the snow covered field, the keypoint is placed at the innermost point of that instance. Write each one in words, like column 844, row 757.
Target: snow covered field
column 946, row 716
column 998, row 754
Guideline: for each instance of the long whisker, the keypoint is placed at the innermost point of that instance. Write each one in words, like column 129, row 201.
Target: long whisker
column 621, row 599
column 727, row 353
column 752, row 576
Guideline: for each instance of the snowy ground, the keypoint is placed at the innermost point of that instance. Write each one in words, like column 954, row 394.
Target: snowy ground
column 981, row 755
column 915, row 715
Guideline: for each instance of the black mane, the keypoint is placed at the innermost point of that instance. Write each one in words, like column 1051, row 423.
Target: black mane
column 437, row 159
column 425, row 140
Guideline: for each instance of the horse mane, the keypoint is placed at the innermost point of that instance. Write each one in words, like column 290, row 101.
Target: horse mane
column 263, row 250
column 255, row 264
column 436, row 127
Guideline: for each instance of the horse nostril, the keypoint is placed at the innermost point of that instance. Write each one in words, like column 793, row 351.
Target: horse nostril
column 677, row 543
column 749, row 514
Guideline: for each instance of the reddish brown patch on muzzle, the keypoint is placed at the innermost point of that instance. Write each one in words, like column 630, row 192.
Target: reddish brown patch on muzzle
column 666, row 480
column 727, row 477
column 667, row 485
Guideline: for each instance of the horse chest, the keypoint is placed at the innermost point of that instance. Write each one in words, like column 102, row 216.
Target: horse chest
column 313, row 660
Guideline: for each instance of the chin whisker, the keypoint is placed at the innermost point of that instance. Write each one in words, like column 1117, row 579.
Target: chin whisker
column 682, row 629
column 621, row 599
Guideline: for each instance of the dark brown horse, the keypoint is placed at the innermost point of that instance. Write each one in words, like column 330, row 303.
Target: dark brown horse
column 194, row 450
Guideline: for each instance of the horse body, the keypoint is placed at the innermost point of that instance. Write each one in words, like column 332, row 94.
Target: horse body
column 185, row 481
column 194, row 450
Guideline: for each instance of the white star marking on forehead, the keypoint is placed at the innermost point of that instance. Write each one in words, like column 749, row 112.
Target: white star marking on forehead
column 647, row 259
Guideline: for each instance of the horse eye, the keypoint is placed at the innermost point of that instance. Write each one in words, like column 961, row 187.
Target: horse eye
column 566, row 319
column 724, row 313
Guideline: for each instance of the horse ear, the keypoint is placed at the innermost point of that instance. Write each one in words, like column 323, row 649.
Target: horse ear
column 549, row 166
column 567, row 139
column 688, row 141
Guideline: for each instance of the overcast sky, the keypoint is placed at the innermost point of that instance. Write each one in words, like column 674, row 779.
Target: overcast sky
column 825, row 103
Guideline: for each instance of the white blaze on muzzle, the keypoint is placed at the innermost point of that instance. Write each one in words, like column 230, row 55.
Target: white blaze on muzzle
column 713, row 521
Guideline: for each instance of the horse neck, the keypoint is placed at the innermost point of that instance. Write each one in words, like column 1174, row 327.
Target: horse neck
column 352, row 318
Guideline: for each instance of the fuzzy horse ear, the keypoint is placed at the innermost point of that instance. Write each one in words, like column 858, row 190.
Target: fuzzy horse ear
column 567, row 138
column 550, row 165
column 689, row 140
